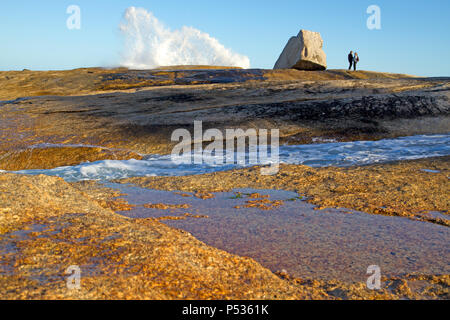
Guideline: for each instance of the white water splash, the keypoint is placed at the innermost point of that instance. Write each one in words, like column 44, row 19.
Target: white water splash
column 149, row 44
column 339, row 154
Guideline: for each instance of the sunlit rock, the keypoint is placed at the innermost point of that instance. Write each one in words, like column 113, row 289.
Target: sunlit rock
column 303, row 52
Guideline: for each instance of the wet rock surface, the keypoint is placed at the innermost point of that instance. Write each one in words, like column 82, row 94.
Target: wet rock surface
column 281, row 231
column 393, row 189
column 58, row 118
column 47, row 157
column 104, row 108
column 47, row 225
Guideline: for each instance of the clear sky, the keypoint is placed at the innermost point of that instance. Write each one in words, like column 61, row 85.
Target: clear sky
column 414, row 36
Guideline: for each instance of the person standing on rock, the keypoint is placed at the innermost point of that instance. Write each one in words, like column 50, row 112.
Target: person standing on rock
column 350, row 60
column 355, row 61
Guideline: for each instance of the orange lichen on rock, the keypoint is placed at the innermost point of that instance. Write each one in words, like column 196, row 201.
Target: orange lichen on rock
column 120, row 258
column 258, row 196
column 170, row 218
column 163, row 206
column 397, row 189
column 60, row 224
column 263, row 204
column 204, row 196
column 186, row 195
column 196, row 216
column 97, row 114
column 48, row 158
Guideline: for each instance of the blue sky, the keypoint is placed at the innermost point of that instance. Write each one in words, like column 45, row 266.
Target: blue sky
column 414, row 37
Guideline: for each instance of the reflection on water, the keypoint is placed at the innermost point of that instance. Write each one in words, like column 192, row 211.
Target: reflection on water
column 307, row 243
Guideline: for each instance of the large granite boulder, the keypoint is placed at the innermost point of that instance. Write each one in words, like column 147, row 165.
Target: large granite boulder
column 303, row 52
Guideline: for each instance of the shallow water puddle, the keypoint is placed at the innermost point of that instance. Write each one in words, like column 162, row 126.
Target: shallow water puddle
column 307, row 243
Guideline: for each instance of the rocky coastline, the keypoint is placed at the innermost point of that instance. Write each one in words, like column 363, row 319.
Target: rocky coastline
column 62, row 118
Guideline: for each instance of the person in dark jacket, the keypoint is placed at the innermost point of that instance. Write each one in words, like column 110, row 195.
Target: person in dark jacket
column 355, row 61
column 350, row 60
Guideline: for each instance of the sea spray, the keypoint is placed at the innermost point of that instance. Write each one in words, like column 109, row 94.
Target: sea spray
column 149, row 44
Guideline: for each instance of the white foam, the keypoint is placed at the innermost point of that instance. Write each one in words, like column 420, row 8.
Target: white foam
column 315, row 155
column 149, row 44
